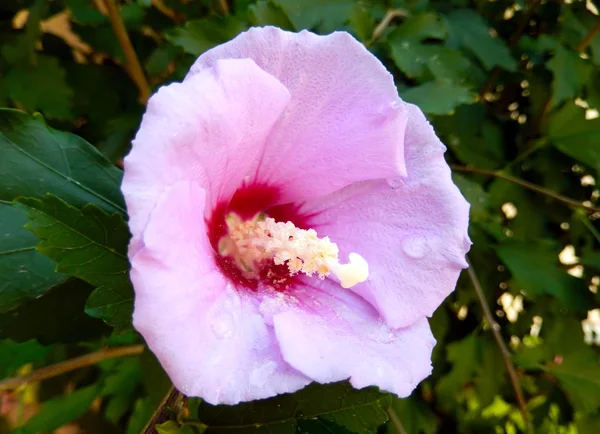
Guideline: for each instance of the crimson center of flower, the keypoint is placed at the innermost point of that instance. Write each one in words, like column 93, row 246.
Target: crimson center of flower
column 260, row 249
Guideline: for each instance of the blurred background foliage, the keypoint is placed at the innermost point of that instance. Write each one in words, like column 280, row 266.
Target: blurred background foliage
column 511, row 86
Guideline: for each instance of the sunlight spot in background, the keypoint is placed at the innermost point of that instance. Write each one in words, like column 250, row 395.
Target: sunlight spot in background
column 589, row 4
column 515, row 341
column 512, row 305
column 588, row 180
column 462, row 312
column 591, row 114
column 567, row 256
column 591, row 327
column 593, row 287
column 510, row 210
column 536, row 326
column 576, row 271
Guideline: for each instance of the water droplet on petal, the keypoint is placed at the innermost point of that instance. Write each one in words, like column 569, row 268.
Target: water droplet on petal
column 395, row 183
column 416, row 247
column 223, row 322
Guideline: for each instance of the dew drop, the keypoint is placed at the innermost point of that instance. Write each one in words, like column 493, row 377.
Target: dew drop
column 395, row 183
column 416, row 247
column 223, row 325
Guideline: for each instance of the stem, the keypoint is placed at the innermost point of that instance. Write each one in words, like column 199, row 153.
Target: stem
column 526, row 184
column 506, row 356
column 173, row 402
column 224, row 7
column 396, row 422
column 133, row 63
column 589, row 37
column 164, row 9
column 70, row 365
column 384, row 24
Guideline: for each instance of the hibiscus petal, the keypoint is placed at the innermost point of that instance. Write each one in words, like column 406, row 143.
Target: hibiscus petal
column 210, row 129
column 412, row 231
column 211, row 340
column 345, row 121
column 338, row 335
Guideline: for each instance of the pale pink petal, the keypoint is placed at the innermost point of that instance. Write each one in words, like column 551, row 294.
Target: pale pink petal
column 337, row 335
column 210, row 129
column 412, row 231
column 210, row 339
column 345, row 121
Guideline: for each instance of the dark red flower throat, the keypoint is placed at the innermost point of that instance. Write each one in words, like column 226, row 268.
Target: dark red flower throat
column 248, row 201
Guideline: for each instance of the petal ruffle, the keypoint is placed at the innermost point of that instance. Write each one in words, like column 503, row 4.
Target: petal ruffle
column 345, row 121
column 412, row 231
column 337, row 335
column 210, row 129
column 210, row 339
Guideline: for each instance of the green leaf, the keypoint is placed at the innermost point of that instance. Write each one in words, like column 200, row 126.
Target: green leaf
column 576, row 136
column 88, row 244
column 536, row 270
column 407, row 49
column 472, row 138
column 411, row 57
column 570, row 72
column 438, row 98
column 589, row 424
column 84, row 12
column 21, row 52
column 24, row 273
column 357, row 411
column 59, row 411
column 168, row 427
column 198, row 36
column 142, row 412
column 447, row 64
column 418, row 28
column 475, row 195
column 579, row 375
column 322, row 15
column 416, row 418
column 472, row 32
column 14, row 355
column 265, row 13
column 362, row 23
column 51, row 94
column 464, row 356
column 56, row 316
column 37, row 160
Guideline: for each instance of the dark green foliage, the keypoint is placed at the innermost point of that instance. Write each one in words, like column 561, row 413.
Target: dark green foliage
column 510, row 87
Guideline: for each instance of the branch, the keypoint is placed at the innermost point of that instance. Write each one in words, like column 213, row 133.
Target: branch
column 384, row 24
column 589, row 37
column 132, row 62
column 173, row 402
column 164, row 9
column 512, row 41
column 70, row 365
column 526, row 184
column 506, row 356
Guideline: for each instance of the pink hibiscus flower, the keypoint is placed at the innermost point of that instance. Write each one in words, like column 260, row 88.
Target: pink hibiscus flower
column 250, row 184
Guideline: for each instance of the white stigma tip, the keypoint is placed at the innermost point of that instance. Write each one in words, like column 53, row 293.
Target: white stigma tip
column 354, row 272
